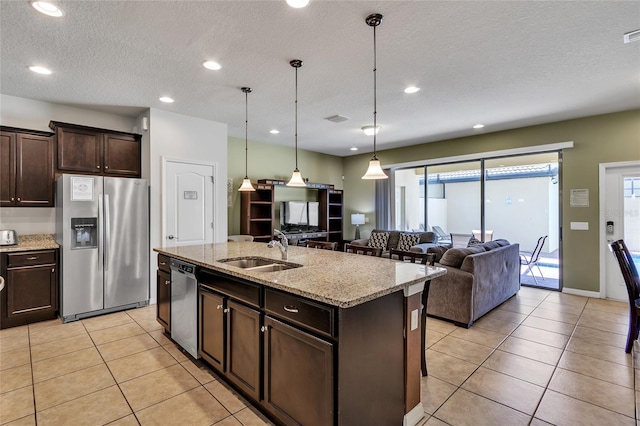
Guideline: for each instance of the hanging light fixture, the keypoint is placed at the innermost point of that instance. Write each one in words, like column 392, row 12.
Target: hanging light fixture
column 246, row 182
column 296, row 177
column 374, row 171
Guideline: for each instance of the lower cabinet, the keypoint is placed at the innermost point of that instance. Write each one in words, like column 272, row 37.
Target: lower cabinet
column 163, row 293
column 279, row 361
column 298, row 375
column 31, row 288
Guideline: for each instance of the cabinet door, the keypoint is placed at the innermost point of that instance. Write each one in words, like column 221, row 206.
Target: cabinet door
column 163, row 307
column 243, row 347
column 7, row 169
column 121, row 155
column 212, row 328
column 79, row 150
column 298, row 375
column 31, row 292
column 34, row 171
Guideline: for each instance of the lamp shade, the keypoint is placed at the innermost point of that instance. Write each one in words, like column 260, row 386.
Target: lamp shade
column 357, row 219
column 296, row 179
column 246, row 186
column 375, row 171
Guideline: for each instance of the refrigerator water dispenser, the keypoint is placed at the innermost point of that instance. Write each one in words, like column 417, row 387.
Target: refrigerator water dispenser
column 84, row 232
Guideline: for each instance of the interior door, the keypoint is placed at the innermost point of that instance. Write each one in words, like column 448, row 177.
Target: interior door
column 187, row 203
column 622, row 207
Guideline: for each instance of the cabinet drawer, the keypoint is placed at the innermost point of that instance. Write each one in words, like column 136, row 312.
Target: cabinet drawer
column 240, row 290
column 163, row 263
column 31, row 258
column 301, row 311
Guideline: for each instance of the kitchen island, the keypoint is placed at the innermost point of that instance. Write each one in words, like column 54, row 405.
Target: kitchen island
column 333, row 340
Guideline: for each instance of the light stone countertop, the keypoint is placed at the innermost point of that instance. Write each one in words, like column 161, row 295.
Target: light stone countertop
column 335, row 278
column 32, row 242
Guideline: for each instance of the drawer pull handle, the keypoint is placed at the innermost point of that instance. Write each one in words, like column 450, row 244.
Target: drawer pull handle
column 264, row 328
column 32, row 258
column 219, row 307
column 226, row 311
column 163, row 263
column 291, row 308
column 167, row 282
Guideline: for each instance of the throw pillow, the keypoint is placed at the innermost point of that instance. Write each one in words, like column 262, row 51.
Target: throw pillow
column 473, row 241
column 407, row 241
column 378, row 240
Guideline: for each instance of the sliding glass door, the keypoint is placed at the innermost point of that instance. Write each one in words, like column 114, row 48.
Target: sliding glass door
column 514, row 198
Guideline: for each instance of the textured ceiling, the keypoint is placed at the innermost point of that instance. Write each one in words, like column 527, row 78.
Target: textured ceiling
column 504, row 64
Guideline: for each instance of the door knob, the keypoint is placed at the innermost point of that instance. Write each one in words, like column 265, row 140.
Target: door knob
column 170, row 237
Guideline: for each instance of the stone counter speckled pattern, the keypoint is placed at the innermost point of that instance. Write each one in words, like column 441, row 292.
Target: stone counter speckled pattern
column 336, row 278
column 32, row 242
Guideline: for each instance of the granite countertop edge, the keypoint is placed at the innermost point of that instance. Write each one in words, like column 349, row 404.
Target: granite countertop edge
column 31, row 242
column 288, row 281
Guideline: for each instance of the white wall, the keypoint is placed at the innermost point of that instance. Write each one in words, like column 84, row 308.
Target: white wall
column 185, row 138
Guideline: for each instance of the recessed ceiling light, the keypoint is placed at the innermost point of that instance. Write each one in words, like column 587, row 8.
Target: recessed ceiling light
column 166, row 99
column 368, row 130
column 47, row 8
column 274, row 131
column 40, row 70
column 353, row 148
column 632, row 36
column 298, row 3
column 211, row 65
column 478, row 126
column 411, row 89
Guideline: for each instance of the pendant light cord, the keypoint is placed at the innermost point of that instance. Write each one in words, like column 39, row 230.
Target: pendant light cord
column 246, row 133
column 375, row 91
column 296, row 118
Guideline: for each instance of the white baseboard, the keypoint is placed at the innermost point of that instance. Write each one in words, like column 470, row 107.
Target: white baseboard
column 414, row 416
column 585, row 293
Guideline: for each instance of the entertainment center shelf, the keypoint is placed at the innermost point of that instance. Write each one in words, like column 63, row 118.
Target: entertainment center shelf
column 258, row 212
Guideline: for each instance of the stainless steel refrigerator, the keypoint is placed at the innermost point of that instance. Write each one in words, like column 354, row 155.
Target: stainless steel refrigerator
column 102, row 226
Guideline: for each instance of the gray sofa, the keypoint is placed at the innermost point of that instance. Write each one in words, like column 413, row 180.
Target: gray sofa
column 427, row 240
column 478, row 279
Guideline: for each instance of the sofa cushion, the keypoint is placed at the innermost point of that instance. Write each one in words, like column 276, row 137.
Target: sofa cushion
column 439, row 251
column 378, row 240
column 428, row 237
column 455, row 257
column 502, row 242
column 407, row 240
column 490, row 245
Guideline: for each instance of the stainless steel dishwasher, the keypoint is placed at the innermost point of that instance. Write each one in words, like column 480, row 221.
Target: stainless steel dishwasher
column 184, row 306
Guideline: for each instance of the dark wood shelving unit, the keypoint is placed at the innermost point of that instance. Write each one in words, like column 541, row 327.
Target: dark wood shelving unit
column 258, row 210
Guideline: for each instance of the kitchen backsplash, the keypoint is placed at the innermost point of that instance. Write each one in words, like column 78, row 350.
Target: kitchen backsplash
column 25, row 220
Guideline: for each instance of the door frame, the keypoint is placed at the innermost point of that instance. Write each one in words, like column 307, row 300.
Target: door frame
column 214, row 212
column 602, row 231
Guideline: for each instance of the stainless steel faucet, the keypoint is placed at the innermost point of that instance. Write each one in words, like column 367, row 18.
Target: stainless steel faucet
column 283, row 244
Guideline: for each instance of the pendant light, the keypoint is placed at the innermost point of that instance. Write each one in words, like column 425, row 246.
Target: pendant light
column 246, row 186
column 374, row 171
column 296, row 177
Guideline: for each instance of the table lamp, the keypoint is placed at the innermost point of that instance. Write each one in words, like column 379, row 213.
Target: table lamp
column 357, row 219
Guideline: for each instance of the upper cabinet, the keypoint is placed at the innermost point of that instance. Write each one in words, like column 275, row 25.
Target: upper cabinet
column 84, row 149
column 26, row 168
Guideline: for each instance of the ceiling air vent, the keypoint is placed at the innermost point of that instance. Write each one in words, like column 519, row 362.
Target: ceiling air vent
column 632, row 36
column 337, row 118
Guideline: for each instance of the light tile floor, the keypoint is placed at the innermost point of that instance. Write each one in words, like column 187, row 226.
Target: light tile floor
column 540, row 358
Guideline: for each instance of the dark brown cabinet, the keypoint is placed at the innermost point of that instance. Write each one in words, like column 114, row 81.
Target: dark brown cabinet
column 163, row 293
column 230, row 329
column 84, row 149
column 298, row 375
column 26, row 168
column 31, row 287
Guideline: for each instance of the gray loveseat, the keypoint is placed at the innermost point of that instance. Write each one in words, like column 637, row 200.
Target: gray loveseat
column 425, row 241
column 478, row 279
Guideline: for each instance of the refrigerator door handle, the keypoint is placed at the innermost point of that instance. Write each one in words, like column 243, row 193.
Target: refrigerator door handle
column 100, row 233
column 107, row 231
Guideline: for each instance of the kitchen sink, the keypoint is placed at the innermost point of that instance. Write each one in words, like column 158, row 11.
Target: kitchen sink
column 259, row 264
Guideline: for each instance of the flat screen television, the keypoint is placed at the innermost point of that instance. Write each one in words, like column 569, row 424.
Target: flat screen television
column 299, row 216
